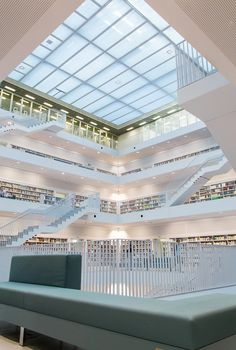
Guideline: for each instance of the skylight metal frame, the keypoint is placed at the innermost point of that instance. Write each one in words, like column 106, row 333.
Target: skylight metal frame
column 128, row 68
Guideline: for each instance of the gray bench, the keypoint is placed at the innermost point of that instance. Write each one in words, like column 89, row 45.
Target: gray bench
column 43, row 295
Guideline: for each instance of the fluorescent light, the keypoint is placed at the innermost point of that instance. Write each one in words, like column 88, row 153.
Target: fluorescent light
column 64, row 111
column 47, row 104
column 31, row 97
column 4, row 98
column 6, row 93
column 36, row 110
column 79, row 117
column 172, row 111
column 18, row 103
column 142, row 123
column 105, row 128
column 93, row 123
column 9, row 88
column 156, row 117
column 130, row 128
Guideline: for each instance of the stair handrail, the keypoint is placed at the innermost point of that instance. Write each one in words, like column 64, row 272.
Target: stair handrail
column 67, row 202
column 199, row 168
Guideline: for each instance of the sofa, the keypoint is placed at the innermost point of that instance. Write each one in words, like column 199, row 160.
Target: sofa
column 43, row 294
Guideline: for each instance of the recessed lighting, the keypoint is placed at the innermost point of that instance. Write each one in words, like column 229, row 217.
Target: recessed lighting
column 9, row 88
column 131, row 128
column 93, row 123
column 79, row 117
column 172, row 111
column 31, row 97
column 42, row 168
column 185, row 136
column 137, row 152
column 17, row 162
column 142, row 123
column 154, row 177
column 156, row 117
column 64, row 111
column 83, row 147
column 173, row 173
column 82, row 178
column 105, row 128
column 63, row 173
column 47, row 104
column 98, row 152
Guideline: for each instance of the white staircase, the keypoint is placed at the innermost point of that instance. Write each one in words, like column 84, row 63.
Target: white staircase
column 49, row 220
column 210, row 168
column 11, row 121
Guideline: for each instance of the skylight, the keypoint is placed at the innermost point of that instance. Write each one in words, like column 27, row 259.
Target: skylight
column 114, row 59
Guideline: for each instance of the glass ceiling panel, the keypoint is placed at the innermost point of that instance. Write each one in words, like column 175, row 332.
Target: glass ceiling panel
column 147, row 89
column 162, row 69
column 155, row 60
column 66, row 50
column 88, row 99
column 74, row 21
column 128, row 117
column 39, row 73
column 128, row 88
column 51, row 42
column 109, row 109
column 86, row 55
column 105, row 17
column 119, row 113
column 95, row 67
column 107, row 74
column 99, row 104
column 119, row 81
column 69, row 84
column 148, row 48
column 132, row 41
column 32, row 60
column 157, row 104
column 23, row 68
column 148, row 99
column 62, row 32
column 53, row 79
column 125, row 25
column 167, row 79
column 41, row 52
column 75, row 94
column 150, row 14
column 88, row 8
column 112, row 58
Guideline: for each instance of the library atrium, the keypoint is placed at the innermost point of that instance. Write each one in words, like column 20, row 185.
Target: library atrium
column 118, row 175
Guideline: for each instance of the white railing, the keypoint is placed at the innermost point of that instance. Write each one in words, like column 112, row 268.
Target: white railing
column 191, row 65
column 33, row 218
column 148, row 268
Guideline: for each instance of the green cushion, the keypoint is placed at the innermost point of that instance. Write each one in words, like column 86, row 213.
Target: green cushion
column 189, row 323
column 73, row 271
column 39, row 269
column 51, row 270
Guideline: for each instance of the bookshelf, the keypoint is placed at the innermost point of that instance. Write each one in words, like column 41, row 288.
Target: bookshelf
column 26, row 193
column 108, row 206
column 45, row 240
column 144, row 203
column 214, row 191
column 226, row 239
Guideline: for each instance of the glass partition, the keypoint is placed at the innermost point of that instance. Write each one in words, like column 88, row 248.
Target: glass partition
column 28, row 108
